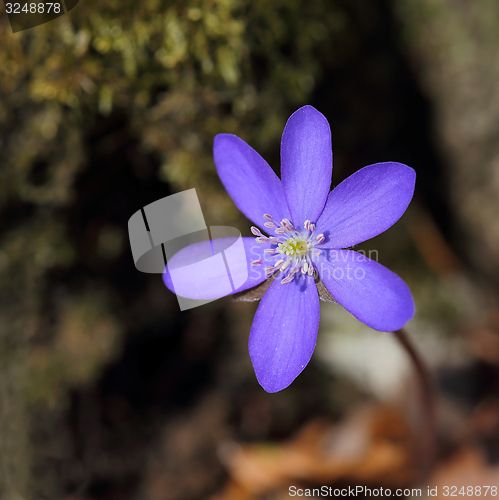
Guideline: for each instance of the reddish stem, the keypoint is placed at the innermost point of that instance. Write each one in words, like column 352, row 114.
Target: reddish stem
column 428, row 440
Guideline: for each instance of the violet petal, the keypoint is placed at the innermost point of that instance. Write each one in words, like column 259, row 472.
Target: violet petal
column 371, row 292
column 251, row 183
column 284, row 332
column 199, row 276
column 367, row 203
column 306, row 164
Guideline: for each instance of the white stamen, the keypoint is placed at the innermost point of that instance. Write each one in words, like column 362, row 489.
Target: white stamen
column 269, row 271
column 295, row 249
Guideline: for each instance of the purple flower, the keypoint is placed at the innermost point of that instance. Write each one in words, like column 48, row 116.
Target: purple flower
column 309, row 231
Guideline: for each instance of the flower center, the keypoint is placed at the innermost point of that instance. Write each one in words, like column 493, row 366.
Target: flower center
column 294, row 249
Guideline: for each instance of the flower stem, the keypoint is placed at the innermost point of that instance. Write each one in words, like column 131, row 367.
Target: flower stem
column 428, row 439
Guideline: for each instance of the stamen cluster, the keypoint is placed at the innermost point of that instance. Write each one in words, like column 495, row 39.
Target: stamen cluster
column 295, row 249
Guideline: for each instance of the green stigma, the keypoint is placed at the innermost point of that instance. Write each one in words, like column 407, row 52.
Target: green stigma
column 293, row 247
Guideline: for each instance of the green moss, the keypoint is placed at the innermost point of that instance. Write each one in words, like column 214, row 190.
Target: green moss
column 179, row 72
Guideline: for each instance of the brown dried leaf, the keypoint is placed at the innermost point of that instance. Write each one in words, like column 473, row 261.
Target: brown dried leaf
column 324, row 294
column 372, row 446
column 468, row 467
column 255, row 293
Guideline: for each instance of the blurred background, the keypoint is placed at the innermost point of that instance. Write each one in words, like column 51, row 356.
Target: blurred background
column 107, row 390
